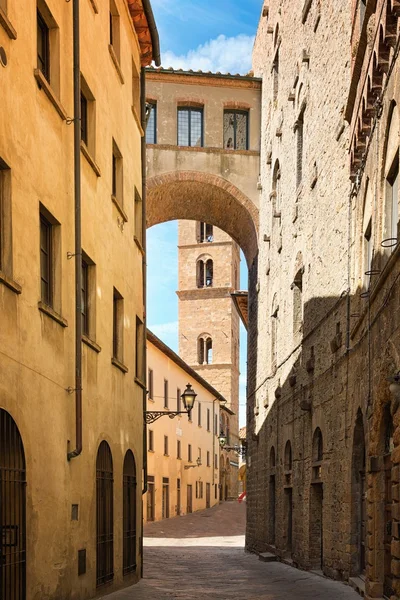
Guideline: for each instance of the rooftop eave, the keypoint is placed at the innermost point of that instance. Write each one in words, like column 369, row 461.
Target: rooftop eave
column 146, row 30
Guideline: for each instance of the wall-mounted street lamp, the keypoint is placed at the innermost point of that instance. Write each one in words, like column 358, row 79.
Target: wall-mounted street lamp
column 240, row 449
column 188, row 397
column 198, row 464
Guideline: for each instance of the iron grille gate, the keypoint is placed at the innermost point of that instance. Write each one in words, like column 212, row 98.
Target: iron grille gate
column 104, row 515
column 129, row 495
column 12, row 511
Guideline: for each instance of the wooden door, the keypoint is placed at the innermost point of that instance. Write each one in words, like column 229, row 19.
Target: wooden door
column 208, row 495
column 189, row 507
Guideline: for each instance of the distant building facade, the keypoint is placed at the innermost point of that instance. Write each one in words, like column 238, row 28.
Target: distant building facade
column 184, row 463
column 205, row 127
column 72, row 314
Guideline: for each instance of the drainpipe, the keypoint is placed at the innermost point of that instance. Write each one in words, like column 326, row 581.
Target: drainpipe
column 144, row 283
column 78, row 235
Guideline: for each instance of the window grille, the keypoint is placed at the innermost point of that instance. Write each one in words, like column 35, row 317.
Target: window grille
column 190, row 126
column 104, row 515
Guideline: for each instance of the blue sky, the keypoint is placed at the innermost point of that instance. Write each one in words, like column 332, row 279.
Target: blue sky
column 213, row 35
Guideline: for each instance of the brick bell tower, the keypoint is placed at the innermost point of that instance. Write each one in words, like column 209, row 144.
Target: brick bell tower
column 209, row 267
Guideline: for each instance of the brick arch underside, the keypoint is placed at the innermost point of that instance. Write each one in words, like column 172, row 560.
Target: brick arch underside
column 201, row 197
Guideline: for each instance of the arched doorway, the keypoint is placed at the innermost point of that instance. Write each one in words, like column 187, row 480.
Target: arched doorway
column 358, row 501
column 316, row 527
column 12, row 511
column 288, row 498
column 272, row 497
column 104, row 515
column 129, row 513
column 388, row 519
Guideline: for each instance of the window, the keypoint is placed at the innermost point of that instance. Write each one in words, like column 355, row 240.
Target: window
column 208, row 419
column 136, row 90
column 150, row 498
column 199, row 414
column 236, row 129
column 129, row 514
column 5, row 219
column 46, row 260
column 189, row 452
column 43, row 46
column 104, row 515
column 205, row 273
column 165, row 498
column 299, row 161
column 165, row 445
column 392, row 204
column 274, row 335
column 151, row 127
column 297, row 287
column 367, row 252
column 117, row 175
column 151, row 440
column 190, row 126
column 138, row 218
column 178, row 496
column 140, row 351
column 115, row 31
column 215, row 461
column 118, row 325
column 276, row 191
column 178, row 399
column 150, row 384
column 48, row 47
column 275, row 76
column 363, row 4
column 88, row 297
column 85, row 298
column 178, row 449
column 208, row 458
column 166, row 393
column 288, row 456
column 88, row 118
column 204, row 350
column 205, row 233
column 216, row 424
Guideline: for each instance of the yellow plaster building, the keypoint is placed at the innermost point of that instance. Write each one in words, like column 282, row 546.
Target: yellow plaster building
column 71, row 295
column 184, row 460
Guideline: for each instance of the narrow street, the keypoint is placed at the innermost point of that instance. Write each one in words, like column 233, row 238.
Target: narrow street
column 201, row 556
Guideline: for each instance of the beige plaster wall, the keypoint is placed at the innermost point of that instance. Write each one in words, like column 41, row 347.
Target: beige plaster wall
column 37, row 353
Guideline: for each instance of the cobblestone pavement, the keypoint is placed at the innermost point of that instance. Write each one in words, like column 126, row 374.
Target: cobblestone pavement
column 201, row 557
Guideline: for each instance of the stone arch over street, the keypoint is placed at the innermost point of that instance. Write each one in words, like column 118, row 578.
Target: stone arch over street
column 201, row 196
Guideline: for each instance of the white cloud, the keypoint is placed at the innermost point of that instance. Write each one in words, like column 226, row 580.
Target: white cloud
column 243, row 379
column 224, row 54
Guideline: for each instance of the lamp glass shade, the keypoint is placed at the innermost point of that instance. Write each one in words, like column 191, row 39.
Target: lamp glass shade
column 222, row 440
column 188, row 398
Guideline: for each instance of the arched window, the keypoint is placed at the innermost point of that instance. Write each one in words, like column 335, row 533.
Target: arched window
column 12, row 510
column 288, row 456
column 391, row 216
column 228, row 431
column 205, row 232
column 204, row 350
column 275, row 75
column 317, row 447
column 272, row 458
column 276, row 190
column 367, row 245
column 297, row 288
column 129, row 514
column 104, row 515
column 204, row 273
column 363, row 4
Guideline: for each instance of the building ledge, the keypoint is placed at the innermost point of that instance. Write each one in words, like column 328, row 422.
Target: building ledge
column 116, row 63
column 48, row 90
column 91, row 343
column 94, row 6
column 137, row 119
column 139, row 245
column 90, row 159
column 7, row 25
column 47, row 310
column 207, row 149
column 10, row 283
column 140, row 383
column 119, row 365
column 119, row 208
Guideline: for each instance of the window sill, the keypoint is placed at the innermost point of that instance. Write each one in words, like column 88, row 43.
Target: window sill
column 47, row 310
column 94, row 6
column 119, row 365
column 90, row 159
column 10, row 283
column 86, row 340
column 151, row 400
column 116, row 63
column 44, row 84
column 138, row 244
column 137, row 119
column 120, row 209
column 152, row 451
column 140, row 383
column 6, row 25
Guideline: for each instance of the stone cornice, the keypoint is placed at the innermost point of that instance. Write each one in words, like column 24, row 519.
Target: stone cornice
column 205, row 293
column 205, row 79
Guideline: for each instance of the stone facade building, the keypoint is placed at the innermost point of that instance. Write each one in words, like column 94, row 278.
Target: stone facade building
column 184, row 462
column 323, row 464
column 72, row 341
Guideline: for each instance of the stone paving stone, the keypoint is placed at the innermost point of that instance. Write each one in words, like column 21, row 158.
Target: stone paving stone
column 201, row 556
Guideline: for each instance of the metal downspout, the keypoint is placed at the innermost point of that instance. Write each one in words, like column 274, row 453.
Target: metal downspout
column 144, row 274
column 78, row 235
